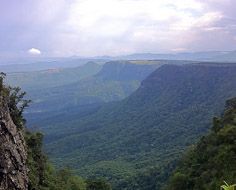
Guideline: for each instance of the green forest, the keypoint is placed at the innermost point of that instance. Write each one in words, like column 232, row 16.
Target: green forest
column 212, row 160
column 151, row 140
column 117, row 94
column 139, row 139
column 42, row 174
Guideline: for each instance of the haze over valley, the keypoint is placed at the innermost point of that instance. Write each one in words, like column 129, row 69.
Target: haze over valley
column 118, row 95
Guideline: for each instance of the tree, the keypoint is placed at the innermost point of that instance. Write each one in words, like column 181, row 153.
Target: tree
column 98, row 184
column 2, row 77
column 179, row 181
column 17, row 104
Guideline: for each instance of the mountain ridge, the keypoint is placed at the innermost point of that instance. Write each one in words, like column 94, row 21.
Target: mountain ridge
column 111, row 135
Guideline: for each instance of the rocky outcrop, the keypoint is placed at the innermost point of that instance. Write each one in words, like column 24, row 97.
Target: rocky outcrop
column 13, row 154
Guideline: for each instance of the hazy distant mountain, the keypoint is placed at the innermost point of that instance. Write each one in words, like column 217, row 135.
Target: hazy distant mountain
column 215, row 56
column 229, row 56
column 36, row 64
column 148, row 130
column 82, row 88
column 47, row 79
column 115, row 81
column 225, row 56
column 27, row 65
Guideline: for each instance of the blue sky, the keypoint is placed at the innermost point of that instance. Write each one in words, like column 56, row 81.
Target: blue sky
column 114, row 27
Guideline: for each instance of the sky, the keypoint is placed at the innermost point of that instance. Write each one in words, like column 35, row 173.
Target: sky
column 115, row 27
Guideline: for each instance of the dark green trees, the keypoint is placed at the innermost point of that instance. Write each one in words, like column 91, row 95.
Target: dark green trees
column 42, row 175
column 97, row 185
column 2, row 76
column 15, row 99
column 213, row 160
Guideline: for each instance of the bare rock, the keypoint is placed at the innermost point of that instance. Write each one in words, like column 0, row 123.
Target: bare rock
column 13, row 154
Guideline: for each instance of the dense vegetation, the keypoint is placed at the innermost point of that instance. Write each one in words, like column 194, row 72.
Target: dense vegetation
column 42, row 174
column 41, row 80
column 212, row 160
column 135, row 143
column 76, row 87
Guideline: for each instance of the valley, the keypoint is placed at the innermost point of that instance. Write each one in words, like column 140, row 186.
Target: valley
column 118, row 95
column 138, row 120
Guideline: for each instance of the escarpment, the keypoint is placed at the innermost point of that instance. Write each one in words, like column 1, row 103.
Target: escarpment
column 13, row 153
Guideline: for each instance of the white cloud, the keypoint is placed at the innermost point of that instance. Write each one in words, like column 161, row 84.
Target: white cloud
column 179, row 50
column 111, row 27
column 34, row 51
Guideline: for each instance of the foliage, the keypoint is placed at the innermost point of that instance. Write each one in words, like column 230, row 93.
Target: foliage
column 227, row 186
column 15, row 100
column 2, row 77
column 212, row 160
column 17, row 105
column 42, row 175
column 97, row 185
column 80, row 86
column 142, row 136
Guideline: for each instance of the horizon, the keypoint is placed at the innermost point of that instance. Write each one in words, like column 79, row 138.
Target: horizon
column 27, row 56
column 117, row 94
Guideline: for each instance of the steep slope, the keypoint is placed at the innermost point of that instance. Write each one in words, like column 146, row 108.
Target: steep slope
column 115, row 81
column 127, row 70
column 23, row 164
column 171, row 110
column 13, row 152
column 212, row 160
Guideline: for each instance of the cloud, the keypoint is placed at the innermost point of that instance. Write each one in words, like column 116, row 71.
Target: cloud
column 111, row 27
column 34, row 51
column 128, row 26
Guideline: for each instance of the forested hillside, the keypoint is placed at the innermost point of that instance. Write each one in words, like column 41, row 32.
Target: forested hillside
column 81, row 89
column 212, row 160
column 117, row 95
column 142, row 136
column 115, row 81
column 24, row 166
column 36, row 81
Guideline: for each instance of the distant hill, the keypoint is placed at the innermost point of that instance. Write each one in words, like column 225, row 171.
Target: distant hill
column 226, row 56
column 29, row 64
column 212, row 160
column 127, row 70
column 45, row 79
column 197, row 56
column 148, row 130
column 115, row 81
column 216, row 56
column 81, row 89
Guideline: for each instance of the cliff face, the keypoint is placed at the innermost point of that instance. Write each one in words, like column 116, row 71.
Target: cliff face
column 13, row 155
